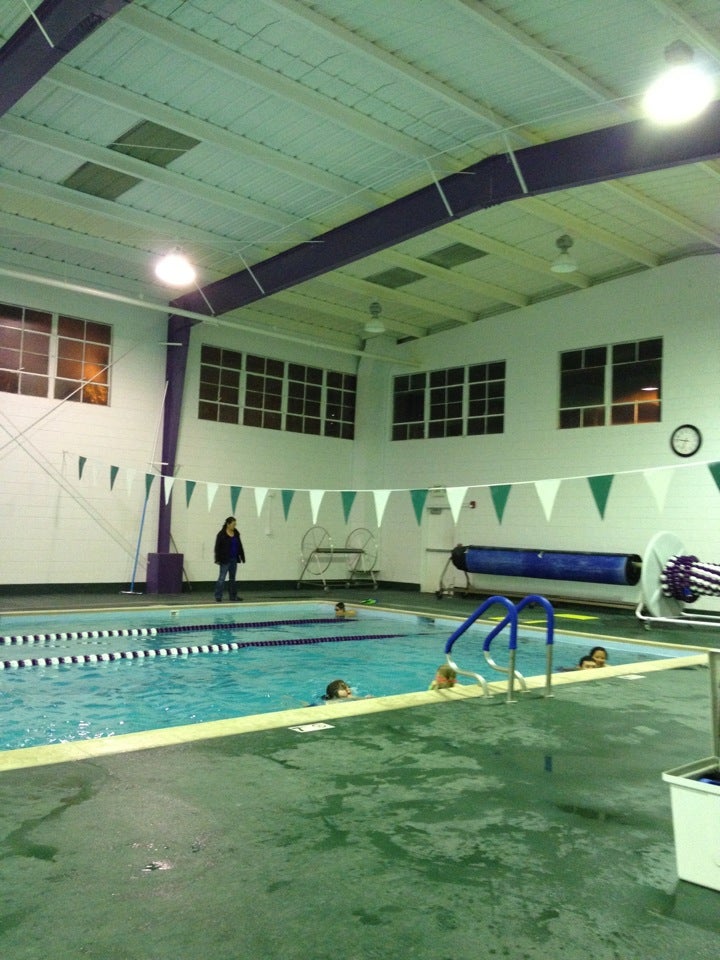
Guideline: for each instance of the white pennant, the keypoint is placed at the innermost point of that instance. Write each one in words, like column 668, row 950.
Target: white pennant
column 316, row 498
column 212, row 489
column 455, row 496
column 129, row 478
column 381, row 498
column 659, row 482
column 547, row 491
column 260, row 494
column 167, row 487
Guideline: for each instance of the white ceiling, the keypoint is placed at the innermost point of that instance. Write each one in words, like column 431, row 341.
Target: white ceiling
column 300, row 116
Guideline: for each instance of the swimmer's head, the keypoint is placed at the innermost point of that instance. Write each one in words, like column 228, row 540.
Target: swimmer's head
column 337, row 690
column 446, row 676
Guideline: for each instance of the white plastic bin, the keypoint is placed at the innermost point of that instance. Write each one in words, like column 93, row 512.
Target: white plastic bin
column 696, row 805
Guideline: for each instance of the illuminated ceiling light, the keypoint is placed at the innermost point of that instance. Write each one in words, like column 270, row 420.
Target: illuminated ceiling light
column 564, row 263
column 175, row 269
column 375, row 324
column 682, row 91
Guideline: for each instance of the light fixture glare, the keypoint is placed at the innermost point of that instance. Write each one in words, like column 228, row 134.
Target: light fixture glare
column 679, row 94
column 175, row 270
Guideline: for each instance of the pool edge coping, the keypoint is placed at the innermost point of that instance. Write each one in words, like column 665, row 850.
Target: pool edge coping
column 29, row 757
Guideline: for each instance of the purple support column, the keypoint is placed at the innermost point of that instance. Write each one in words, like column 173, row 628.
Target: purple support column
column 178, row 331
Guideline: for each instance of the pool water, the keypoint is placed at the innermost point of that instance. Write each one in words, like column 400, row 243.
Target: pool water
column 396, row 653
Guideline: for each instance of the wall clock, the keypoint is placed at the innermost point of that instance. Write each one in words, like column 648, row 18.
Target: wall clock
column 685, row 440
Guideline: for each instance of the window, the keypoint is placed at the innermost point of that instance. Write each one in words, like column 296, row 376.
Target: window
column 455, row 402
column 619, row 384
column 409, row 407
column 264, row 393
column 219, row 385
column 261, row 392
column 486, row 398
column 45, row 355
column 340, row 405
column 83, row 361
column 304, row 404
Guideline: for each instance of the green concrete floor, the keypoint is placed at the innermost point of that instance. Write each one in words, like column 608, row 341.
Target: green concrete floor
column 466, row 829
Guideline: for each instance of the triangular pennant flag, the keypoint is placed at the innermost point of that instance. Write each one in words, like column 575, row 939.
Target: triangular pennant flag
column 287, row 499
column 714, row 469
column 149, row 477
column 81, row 466
column 113, row 476
column 547, row 491
column 129, row 479
column 659, row 482
column 94, row 474
column 500, row 493
column 189, row 490
column 418, row 498
column 455, row 496
column 600, row 487
column 381, row 498
column 316, row 498
column 234, row 494
column 167, row 486
column 348, row 499
column 260, row 494
column 212, row 489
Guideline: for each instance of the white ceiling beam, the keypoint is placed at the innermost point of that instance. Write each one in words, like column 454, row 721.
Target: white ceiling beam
column 85, row 151
column 338, row 312
column 373, row 291
column 520, row 258
column 141, row 107
column 169, row 34
column 693, row 29
column 530, row 47
column 418, row 78
column 580, row 227
column 661, row 210
column 453, row 277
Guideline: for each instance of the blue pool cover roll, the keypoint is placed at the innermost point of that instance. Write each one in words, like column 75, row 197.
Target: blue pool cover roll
column 623, row 569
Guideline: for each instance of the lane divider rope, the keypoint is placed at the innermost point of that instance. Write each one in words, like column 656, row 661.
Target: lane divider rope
column 154, row 631
column 182, row 651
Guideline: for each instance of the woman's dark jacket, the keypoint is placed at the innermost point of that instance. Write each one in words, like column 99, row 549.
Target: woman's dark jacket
column 222, row 547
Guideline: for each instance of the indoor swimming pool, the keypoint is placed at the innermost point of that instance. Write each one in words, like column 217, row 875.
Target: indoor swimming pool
column 82, row 676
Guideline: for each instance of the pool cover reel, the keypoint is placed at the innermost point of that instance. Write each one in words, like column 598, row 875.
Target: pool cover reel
column 623, row 569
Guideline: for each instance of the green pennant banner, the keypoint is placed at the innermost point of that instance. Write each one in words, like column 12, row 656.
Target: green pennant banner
column 113, row 475
column 714, row 469
column 149, row 477
column 418, row 500
column 348, row 499
column 287, row 499
column 234, row 494
column 600, row 487
column 500, row 493
column 81, row 466
column 189, row 490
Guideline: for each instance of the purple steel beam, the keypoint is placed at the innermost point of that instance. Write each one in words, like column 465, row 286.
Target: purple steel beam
column 27, row 56
column 621, row 151
column 178, row 332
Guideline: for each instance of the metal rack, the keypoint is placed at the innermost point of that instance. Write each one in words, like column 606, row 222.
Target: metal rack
column 318, row 554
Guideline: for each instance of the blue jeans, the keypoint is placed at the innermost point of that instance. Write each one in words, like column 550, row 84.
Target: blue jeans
column 227, row 568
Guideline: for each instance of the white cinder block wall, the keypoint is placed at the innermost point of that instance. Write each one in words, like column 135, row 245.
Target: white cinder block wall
column 58, row 529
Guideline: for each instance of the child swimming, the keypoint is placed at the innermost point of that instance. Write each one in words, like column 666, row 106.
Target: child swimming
column 445, row 678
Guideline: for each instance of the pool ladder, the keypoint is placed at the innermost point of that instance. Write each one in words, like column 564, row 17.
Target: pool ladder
column 509, row 622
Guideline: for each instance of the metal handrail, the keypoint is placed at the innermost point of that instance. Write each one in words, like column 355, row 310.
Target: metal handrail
column 511, row 619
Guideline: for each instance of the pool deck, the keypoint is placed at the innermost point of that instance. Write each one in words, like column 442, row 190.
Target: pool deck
column 450, row 826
